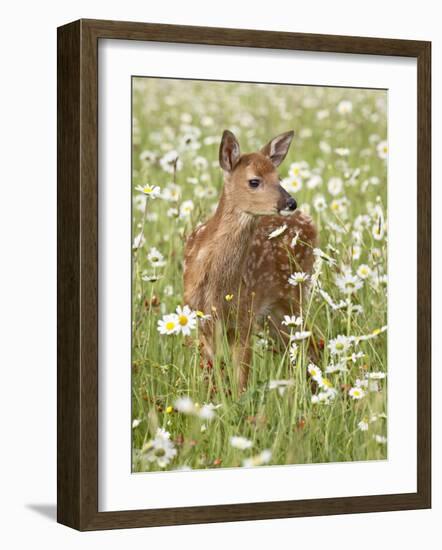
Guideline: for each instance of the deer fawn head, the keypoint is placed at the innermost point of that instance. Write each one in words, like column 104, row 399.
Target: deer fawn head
column 252, row 183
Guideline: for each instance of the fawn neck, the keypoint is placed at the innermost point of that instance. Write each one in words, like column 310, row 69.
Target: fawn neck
column 232, row 236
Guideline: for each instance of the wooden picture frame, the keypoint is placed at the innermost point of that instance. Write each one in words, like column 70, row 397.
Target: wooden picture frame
column 77, row 227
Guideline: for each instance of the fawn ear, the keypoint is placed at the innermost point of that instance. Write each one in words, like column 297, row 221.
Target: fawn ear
column 277, row 148
column 229, row 152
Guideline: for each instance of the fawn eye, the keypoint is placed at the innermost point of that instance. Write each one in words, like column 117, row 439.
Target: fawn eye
column 254, row 183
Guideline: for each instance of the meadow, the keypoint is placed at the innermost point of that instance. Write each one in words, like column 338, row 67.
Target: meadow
column 298, row 408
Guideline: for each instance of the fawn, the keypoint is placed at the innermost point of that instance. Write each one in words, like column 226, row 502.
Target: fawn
column 231, row 254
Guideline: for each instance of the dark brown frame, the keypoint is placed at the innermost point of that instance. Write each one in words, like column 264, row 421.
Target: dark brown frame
column 77, row 225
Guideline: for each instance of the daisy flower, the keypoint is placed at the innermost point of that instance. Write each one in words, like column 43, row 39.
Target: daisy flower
column 148, row 157
column 356, row 393
column 239, row 442
column 186, row 320
column 168, row 324
column 139, row 241
column 376, row 375
column 151, row 191
column 348, row 283
column 363, row 425
column 172, row 192
column 278, row 231
column 292, row 184
column 172, row 213
column 345, row 107
column 185, row 405
column 186, row 209
column 300, row 335
column 342, row 151
column 319, row 203
column 335, row 367
column 292, row 321
column 380, row 439
column 170, row 162
column 382, row 149
column 314, row 181
column 315, row 372
column 280, row 385
column 160, row 449
column 156, row 258
column 324, row 147
column 363, row 271
column 293, row 352
column 378, row 230
column 335, row 186
column 294, row 241
column 298, row 278
column 339, row 345
column 263, row 458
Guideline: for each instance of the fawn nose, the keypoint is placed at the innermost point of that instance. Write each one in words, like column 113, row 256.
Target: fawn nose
column 291, row 204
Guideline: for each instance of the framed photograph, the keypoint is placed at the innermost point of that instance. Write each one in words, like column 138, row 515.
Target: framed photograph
column 243, row 274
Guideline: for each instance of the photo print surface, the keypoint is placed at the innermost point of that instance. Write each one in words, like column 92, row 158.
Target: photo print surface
column 259, row 274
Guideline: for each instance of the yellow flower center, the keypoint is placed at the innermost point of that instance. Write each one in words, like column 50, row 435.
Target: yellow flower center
column 340, row 346
column 170, row 325
column 183, row 320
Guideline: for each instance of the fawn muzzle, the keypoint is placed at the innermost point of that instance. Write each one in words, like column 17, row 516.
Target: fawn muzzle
column 286, row 203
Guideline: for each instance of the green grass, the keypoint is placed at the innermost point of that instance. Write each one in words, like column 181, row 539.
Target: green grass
column 181, row 115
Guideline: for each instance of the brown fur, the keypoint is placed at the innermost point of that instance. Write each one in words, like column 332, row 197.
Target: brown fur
column 232, row 254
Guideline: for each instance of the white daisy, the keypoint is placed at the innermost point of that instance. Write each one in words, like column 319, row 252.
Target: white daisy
column 319, row 203
column 339, row 345
column 382, row 149
column 335, row 186
column 186, row 320
column 344, row 107
column 292, row 321
column 186, row 209
column 239, row 442
column 172, row 192
column 356, row 393
column 363, row 425
column 298, row 278
column 363, row 271
column 151, row 191
column 293, row 352
column 280, row 385
column 314, row 181
column 160, row 449
column 315, row 372
column 376, row 375
column 139, row 241
column 300, row 335
column 168, row 324
column 278, row 231
column 171, row 162
column 348, row 283
column 156, row 258
column 185, row 405
column 263, row 458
